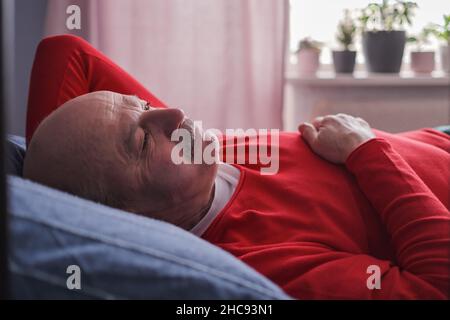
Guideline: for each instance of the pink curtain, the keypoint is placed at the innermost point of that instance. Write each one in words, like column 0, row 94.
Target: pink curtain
column 221, row 61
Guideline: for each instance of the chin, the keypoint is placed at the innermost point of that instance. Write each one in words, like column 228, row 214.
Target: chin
column 206, row 175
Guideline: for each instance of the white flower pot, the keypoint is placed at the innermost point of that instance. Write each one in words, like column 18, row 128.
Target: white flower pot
column 422, row 62
column 308, row 61
column 445, row 58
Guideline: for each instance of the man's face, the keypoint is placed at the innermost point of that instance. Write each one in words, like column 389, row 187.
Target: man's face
column 130, row 148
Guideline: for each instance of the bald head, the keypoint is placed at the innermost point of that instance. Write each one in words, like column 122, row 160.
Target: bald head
column 66, row 152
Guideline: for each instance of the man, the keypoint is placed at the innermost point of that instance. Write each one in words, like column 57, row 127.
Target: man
column 346, row 200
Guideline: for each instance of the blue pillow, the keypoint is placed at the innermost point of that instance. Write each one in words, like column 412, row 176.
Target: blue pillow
column 119, row 254
column 15, row 154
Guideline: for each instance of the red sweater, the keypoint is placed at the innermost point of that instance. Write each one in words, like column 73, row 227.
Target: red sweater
column 315, row 227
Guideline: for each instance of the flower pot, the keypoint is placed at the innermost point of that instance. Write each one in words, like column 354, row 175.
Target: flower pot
column 445, row 58
column 308, row 61
column 383, row 50
column 422, row 62
column 344, row 61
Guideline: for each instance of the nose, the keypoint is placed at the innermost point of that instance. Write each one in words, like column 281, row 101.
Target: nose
column 167, row 120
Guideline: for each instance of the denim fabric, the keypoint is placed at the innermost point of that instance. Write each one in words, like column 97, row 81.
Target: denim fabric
column 121, row 255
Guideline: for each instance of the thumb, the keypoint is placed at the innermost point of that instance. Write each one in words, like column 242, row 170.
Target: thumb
column 309, row 132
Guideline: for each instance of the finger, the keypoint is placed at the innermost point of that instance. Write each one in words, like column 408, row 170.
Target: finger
column 329, row 119
column 309, row 132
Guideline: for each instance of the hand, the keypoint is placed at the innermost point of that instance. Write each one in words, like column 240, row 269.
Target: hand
column 334, row 137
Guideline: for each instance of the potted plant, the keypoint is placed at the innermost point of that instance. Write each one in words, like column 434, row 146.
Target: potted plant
column 308, row 56
column 383, row 35
column 344, row 61
column 442, row 32
column 422, row 61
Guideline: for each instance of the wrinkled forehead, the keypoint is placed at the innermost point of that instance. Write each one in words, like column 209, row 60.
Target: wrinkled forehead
column 111, row 104
column 107, row 114
column 101, row 113
column 105, row 109
column 102, row 104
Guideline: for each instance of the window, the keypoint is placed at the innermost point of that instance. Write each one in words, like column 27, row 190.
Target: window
column 319, row 18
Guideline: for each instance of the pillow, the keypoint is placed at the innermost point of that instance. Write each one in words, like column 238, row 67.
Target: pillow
column 119, row 254
column 15, row 155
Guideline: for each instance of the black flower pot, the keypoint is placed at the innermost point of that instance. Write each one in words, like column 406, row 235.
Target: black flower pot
column 344, row 61
column 383, row 50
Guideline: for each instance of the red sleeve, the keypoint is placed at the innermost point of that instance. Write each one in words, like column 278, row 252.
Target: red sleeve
column 417, row 221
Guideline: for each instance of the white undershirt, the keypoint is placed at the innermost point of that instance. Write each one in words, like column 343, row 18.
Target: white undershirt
column 227, row 179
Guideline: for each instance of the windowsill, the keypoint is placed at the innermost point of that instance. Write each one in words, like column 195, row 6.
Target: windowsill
column 363, row 78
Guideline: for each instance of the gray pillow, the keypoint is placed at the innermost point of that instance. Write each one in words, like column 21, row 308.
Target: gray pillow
column 14, row 155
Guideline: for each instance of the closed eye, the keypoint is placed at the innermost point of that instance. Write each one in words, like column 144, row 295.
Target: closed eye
column 145, row 142
column 145, row 107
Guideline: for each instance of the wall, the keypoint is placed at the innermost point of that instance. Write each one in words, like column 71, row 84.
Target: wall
column 392, row 108
column 8, row 55
column 29, row 17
